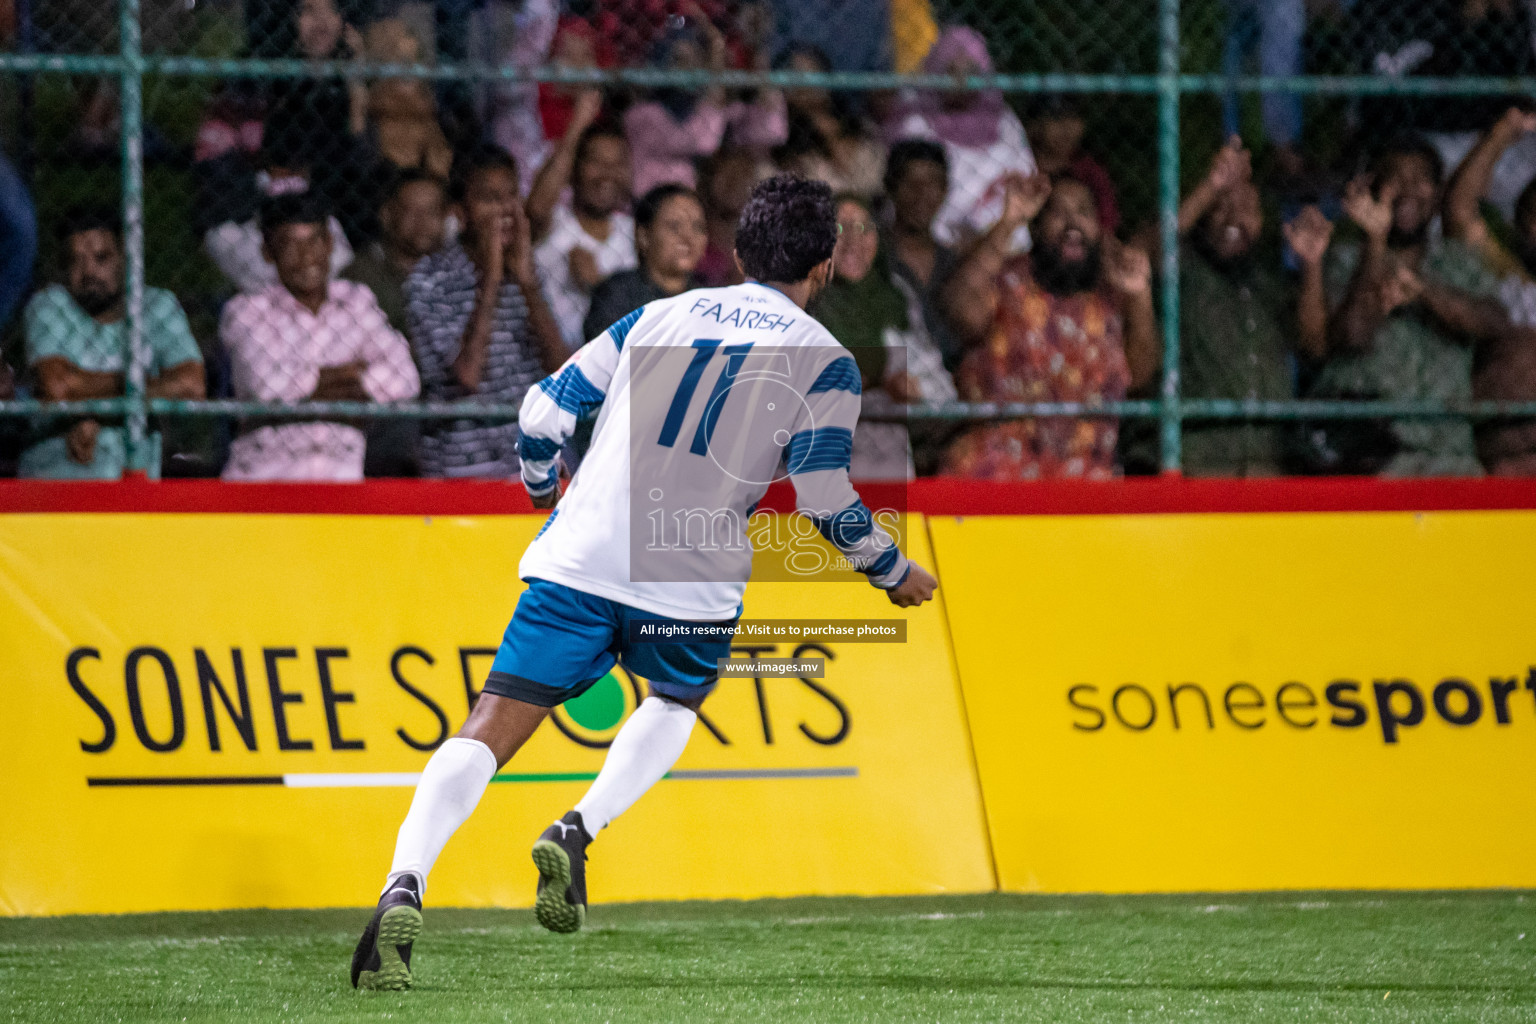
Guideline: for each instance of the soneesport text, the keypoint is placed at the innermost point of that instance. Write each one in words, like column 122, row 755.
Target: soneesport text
column 1396, row 704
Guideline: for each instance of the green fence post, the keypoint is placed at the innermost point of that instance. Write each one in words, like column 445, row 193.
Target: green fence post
column 132, row 77
column 1168, row 94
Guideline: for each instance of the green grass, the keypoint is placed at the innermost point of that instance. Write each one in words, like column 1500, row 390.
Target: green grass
column 1269, row 958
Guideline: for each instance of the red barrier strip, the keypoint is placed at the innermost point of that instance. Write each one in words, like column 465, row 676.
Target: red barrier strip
column 940, row 496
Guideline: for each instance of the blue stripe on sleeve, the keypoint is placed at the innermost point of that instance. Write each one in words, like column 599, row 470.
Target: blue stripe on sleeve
column 620, row 330
column 840, row 375
column 885, row 562
column 846, row 528
column 536, row 449
column 572, row 391
column 818, row 449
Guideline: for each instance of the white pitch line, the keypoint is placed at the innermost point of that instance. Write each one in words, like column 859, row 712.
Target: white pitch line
column 349, row 780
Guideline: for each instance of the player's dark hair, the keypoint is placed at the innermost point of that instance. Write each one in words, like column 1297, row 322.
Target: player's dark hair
column 789, row 228
column 1408, row 144
column 399, row 179
column 600, row 130
column 651, row 203
column 468, row 166
column 908, row 152
column 293, row 208
column 78, row 219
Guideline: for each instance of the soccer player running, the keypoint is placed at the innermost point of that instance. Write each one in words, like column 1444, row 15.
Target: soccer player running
column 670, row 449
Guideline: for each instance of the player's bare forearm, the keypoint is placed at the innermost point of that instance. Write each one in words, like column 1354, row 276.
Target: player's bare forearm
column 544, row 502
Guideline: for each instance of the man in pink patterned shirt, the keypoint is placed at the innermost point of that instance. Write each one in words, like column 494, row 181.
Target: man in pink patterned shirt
column 308, row 339
column 1072, row 321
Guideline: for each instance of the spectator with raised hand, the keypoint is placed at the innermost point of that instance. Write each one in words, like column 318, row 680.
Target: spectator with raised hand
column 1407, row 312
column 669, row 236
column 675, row 127
column 575, row 46
column 1072, row 321
column 916, row 181
column 480, row 328
column 827, row 140
column 77, row 349
column 1242, row 326
column 235, row 245
column 1506, row 368
column 592, row 236
column 982, row 138
column 1515, row 266
column 308, row 338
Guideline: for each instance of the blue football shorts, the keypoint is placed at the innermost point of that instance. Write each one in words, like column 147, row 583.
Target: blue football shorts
column 561, row 640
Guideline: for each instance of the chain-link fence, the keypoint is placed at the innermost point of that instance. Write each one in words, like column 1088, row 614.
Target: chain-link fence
column 313, row 239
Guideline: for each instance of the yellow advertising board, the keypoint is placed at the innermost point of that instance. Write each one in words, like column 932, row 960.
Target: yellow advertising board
column 1250, row 701
column 214, row 711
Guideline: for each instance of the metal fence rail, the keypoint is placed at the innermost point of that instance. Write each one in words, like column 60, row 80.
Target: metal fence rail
column 1170, row 86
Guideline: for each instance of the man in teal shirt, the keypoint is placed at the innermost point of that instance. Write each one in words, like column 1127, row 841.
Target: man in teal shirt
column 77, row 348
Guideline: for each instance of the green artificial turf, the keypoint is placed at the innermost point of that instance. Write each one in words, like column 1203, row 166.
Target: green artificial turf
column 1437, row 957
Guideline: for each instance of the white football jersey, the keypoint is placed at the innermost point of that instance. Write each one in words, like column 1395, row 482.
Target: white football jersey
column 703, row 400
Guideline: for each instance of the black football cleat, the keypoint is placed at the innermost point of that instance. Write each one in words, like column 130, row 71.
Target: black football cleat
column 382, row 961
column 561, row 857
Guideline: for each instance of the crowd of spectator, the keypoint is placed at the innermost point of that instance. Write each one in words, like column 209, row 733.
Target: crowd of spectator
column 388, row 239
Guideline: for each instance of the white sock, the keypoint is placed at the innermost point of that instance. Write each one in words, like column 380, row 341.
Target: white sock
column 450, row 787
column 644, row 750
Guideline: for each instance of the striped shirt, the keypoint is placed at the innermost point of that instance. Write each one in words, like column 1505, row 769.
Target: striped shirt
column 702, row 399
column 439, row 301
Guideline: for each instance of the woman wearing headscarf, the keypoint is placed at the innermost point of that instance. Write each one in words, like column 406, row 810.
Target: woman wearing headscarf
column 983, row 139
column 675, row 127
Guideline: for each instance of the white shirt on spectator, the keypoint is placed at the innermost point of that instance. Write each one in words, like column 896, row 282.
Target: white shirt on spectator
column 276, row 348
column 235, row 248
column 976, row 173
column 566, row 301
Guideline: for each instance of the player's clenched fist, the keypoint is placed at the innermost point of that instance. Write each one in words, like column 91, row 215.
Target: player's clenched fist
column 914, row 590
